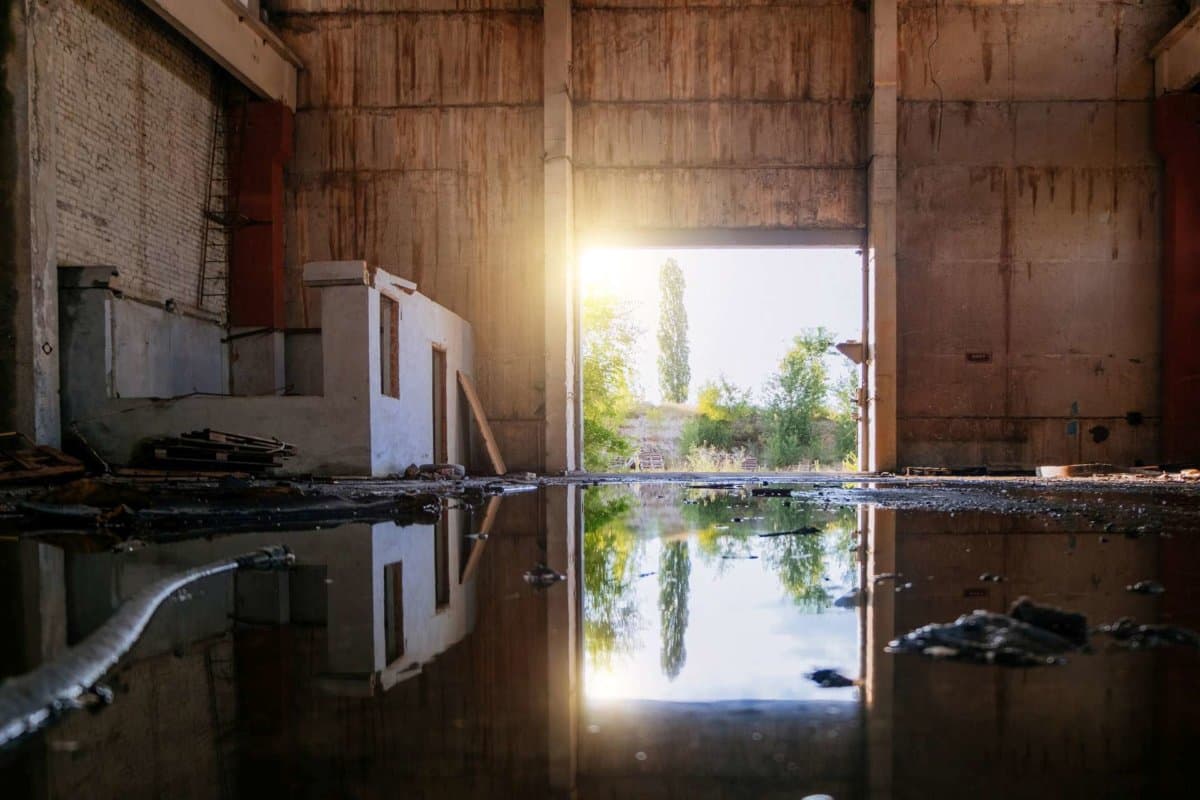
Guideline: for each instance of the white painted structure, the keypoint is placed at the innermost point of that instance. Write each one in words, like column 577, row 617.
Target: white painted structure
column 352, row 427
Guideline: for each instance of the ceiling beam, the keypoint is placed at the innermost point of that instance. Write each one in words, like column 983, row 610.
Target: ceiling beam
column 237, row 40
column 1177, row 57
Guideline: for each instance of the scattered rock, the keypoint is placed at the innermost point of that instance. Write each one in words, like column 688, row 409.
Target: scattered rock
column 830, row 679
column 1068, row 624
column 851, row 599
column 542, row 577
column 1146, row 587
column 1130, row 634
column 982, row 637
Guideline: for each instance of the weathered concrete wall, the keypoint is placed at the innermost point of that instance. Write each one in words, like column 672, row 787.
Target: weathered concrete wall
column 133, row 132
column 719, row 114
column 1081, row 729
column 1028, row 232
column 419, row 148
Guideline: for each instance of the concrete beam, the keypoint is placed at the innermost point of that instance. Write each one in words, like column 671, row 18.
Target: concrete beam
column 561, row 406
column 879, row 451
column 237, row 40
column 29, row 367
column 1177, row 57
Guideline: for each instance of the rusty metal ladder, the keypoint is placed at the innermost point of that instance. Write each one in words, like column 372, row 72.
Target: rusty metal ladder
column 220, row 207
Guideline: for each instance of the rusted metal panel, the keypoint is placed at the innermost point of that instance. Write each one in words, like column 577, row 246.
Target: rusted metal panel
column 1177, row 128
column 776, row 53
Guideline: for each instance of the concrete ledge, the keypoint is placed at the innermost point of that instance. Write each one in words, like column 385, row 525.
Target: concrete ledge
column 336, row 273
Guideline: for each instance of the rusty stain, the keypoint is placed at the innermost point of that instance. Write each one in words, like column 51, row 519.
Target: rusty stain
column 1006, row 277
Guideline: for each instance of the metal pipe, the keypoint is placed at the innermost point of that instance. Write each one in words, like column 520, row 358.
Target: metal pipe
column 32, row 701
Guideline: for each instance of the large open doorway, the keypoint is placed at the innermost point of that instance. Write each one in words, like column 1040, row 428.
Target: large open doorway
column 721, row 359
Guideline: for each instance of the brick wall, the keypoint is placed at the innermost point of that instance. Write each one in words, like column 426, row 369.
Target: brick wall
column 135, row 106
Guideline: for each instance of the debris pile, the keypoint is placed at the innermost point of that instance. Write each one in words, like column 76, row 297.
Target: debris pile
column 1030, row 635
column 21, row 460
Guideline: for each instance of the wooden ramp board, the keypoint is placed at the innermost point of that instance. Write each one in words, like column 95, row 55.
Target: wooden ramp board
column 493, row 450
column 485, row 530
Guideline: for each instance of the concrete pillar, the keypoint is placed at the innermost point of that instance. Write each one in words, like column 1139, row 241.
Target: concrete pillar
column 881, row 241
column 878, row 672
column 28, row 223
column 1177, row 138
column 563, row 607
column 560, row 343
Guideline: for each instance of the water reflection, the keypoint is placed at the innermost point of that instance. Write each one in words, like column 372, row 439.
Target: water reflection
column 730, row 595
column 416, row 662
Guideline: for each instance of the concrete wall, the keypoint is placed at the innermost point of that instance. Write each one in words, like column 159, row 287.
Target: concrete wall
column 418, row 134
column 719, row 115
column 133, row 132
column 1028, row 232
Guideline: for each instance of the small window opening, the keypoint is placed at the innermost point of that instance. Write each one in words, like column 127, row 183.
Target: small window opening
column 389, row 346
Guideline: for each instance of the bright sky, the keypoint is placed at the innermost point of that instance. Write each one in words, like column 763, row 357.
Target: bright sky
column 743, row 306
column 746, row 640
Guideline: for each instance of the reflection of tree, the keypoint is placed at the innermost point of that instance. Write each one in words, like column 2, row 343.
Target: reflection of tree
column 802, row 562
column 674, row 574
column 610, row 550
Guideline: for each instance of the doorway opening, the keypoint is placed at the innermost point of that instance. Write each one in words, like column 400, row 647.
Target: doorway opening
column 721, row 359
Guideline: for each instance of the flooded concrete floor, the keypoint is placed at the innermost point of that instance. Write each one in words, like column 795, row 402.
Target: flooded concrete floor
column 682, row 654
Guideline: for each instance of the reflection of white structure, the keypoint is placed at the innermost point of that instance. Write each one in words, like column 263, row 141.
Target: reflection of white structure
column 372, row 392
column 394, row 598
column 391, row 598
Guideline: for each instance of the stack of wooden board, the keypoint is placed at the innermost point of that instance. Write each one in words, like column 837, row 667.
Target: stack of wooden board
column 216, row 451
column 22, row 460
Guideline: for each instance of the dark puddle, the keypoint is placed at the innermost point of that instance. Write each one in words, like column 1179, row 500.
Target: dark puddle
column 701, row 642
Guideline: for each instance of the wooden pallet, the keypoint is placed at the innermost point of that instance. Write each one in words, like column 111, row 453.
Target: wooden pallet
column 216, row 451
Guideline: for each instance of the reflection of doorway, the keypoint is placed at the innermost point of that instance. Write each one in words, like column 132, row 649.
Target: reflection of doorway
column 440, row 449
column 750, row 329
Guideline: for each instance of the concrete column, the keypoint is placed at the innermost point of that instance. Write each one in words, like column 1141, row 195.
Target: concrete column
column 28, row 223
column 881, row 241
column 878, row 673
column 562, row 638
column 560, row 342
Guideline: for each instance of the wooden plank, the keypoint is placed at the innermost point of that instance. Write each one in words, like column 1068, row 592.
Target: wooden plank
column 489, row 440
column 485, row 529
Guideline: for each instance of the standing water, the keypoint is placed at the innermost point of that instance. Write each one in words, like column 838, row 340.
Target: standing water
column 737, row 641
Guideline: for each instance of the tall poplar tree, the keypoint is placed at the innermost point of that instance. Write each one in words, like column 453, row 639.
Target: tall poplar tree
column 674, row 371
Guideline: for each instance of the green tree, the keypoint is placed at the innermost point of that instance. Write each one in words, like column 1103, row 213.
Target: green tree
column 674, row 579
column 796, row 397
column 845, row 416
column 609, row 338
column 610, row 555
column 674, row 371
column 727, row 420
